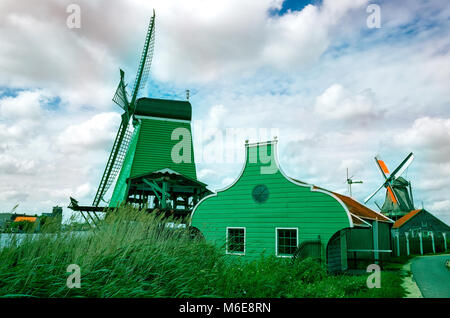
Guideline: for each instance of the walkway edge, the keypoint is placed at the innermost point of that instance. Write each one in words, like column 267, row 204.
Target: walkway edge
column 409, row 284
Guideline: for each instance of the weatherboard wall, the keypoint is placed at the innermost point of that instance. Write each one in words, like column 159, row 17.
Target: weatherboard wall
column 289, row 205
column 154, row 148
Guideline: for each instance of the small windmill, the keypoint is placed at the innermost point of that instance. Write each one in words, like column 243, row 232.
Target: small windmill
column 398, row 191
column 124, row 133
column 350, row 182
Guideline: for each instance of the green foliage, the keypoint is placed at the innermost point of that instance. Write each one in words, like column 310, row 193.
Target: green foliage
column 132, row 254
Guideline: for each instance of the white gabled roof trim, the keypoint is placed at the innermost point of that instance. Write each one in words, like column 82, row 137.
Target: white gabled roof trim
column 368, row 224
column 162, row 119
column 275, row 150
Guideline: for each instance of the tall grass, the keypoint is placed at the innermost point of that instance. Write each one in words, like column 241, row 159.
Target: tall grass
column 132, row 254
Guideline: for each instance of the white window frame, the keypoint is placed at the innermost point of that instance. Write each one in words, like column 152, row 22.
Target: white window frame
column 276, row 239
column 245, row 240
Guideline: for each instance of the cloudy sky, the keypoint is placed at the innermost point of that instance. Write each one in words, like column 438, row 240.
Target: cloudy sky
column 334, row 91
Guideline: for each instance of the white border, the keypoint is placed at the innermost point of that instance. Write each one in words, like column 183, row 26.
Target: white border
column 368, row 224
column 162, row 119
column 311, row 186
column 276, row 239
column 226, row 242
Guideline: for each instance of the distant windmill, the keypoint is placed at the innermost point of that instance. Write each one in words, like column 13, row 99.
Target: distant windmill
column 350, row 182
column 123, row 137
column 399, row 199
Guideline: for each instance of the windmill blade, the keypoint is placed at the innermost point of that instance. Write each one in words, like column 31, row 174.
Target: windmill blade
column 403, row 166
column 120, row 97
column 146, row 60
column 115, row 159
column 373, row 194
column 382, row 167
column 392, row 194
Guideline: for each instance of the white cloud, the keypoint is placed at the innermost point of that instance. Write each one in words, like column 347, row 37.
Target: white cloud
column 95, row 133
column 338, row 103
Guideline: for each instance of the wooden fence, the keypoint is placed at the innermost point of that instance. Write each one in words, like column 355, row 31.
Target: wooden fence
column 420, row 244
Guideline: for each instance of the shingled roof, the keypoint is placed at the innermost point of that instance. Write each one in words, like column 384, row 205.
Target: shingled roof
column 405, row 218
column 361, row 210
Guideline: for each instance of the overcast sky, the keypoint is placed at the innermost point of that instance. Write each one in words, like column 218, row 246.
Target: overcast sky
column 334, row 91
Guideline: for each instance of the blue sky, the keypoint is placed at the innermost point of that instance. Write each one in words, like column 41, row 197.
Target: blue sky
column 336, row 92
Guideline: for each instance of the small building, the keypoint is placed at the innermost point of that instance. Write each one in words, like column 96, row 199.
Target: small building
column 420, row 232
column 5, row 218
column 30, row 219
column 266, row 212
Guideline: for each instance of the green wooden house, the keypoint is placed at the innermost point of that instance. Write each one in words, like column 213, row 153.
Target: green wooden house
column 266, row 212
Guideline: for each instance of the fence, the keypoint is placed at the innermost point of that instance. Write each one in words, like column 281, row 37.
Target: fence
column 404, row 244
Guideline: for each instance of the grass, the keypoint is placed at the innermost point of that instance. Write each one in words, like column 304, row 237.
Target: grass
column 133, row 255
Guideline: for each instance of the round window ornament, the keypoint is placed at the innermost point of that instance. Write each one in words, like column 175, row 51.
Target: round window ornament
column 260, row 193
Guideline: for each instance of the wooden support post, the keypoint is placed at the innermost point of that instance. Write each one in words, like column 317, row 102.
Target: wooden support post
column 421, row 244
column 407, row 243
column 445, row 241
column 398, row 243
column 82, row 213
column 376, row 254
column 432, row 242
column 163, row 195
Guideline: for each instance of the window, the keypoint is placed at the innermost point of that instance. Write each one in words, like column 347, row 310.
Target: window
column 236, row 240
column 286, row 241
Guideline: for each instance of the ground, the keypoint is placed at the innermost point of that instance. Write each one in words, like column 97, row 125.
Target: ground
column 431, row 275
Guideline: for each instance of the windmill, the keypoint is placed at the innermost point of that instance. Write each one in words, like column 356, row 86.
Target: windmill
column 399, row 200
column 123, row 136
column 144, row 160
column 350, row 182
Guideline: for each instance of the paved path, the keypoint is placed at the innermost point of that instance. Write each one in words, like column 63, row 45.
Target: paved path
column 431, row 275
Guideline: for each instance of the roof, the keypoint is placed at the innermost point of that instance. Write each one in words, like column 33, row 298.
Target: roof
column 167, row 172
column 25, row 218
column 358, row 211
column 361, row 210
column 163, row 108
column 400, row 222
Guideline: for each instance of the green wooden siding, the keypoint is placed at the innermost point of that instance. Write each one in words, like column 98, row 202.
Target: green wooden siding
column 150, row 150
column 288, row 205
column 153, row 150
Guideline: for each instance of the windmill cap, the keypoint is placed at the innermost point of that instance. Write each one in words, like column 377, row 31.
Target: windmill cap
column 163, row 108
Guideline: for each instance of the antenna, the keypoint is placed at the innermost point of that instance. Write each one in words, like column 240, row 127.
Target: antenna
column 350, row 182
column 187, row 94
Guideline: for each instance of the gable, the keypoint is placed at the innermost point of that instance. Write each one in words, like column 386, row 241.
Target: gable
column 283, row 203
column 421, row 218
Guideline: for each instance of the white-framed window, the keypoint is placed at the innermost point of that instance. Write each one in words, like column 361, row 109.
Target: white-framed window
column 286, row 241
column 236, row 240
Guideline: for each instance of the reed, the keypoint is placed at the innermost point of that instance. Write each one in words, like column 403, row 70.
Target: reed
column 132, row 254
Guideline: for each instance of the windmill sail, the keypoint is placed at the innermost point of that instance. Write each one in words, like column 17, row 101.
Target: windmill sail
column 115, row 160
column 120, row 97
column 145, row 62
column 123, row 137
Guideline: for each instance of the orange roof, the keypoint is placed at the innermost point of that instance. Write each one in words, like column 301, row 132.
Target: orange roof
column 360, row 210
column 405, row 218
column 25, row 218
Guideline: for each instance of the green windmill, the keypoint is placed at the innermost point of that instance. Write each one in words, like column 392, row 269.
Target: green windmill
column 151, row 161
